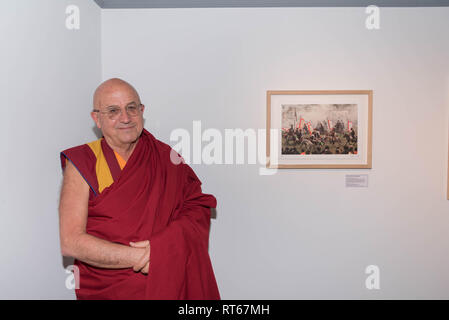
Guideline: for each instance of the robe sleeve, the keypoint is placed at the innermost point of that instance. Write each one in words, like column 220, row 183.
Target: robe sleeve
column 180, row 266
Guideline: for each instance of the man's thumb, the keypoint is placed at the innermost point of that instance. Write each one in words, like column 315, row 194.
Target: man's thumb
column 140, row 244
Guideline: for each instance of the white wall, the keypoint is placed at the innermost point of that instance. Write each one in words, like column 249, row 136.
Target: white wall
column 301, row 233
column 47, row 78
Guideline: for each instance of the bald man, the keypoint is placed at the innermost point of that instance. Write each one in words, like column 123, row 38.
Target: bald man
column 132, row 213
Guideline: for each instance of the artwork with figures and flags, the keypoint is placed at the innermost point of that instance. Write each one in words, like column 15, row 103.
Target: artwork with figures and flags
column 319, row 129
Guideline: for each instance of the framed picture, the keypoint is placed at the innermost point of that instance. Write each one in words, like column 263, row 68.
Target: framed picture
column 319, row 129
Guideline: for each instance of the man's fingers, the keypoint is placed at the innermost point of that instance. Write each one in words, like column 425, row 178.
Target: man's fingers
column 140, row 244
column 146, row 268
column 142, row 262
column 139, row 265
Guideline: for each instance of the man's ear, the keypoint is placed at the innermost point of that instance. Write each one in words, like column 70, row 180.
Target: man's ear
column 94, row 116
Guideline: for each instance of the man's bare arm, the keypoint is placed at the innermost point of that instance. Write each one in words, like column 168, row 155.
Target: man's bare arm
column 75, row 242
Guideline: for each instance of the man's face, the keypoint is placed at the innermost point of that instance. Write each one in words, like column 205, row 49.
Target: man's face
column 125, row 129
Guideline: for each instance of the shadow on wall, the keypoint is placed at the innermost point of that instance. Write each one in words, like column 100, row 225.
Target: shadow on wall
column 67, row 261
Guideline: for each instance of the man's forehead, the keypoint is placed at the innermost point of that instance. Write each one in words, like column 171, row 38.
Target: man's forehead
column 116, row 91
column 118, row 105
column 117, row 97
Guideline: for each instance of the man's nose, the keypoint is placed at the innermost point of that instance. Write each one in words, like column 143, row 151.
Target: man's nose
column 124, row 116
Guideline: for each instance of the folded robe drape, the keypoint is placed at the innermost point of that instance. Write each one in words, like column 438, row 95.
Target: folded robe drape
column 151, row 198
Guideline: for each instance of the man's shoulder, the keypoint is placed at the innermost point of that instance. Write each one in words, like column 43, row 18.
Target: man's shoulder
column 162, row 145
column 169, row 153
column 82, row 149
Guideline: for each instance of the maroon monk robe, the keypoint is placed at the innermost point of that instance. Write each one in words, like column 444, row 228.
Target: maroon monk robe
column 151, row 198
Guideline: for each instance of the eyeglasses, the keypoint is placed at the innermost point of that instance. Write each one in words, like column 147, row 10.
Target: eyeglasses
column 115, row 112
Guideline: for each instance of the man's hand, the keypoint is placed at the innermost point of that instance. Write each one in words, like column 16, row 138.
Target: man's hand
column 144, row 263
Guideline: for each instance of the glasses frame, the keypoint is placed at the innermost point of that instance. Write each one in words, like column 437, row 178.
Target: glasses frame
column 139, row 107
